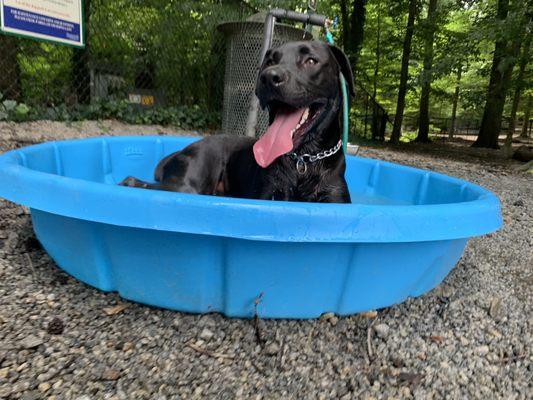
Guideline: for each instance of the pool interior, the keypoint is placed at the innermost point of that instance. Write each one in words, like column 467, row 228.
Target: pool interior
column 110, row 160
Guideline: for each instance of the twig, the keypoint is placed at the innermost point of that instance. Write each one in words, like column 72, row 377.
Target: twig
column 281, row 357
column 369, row 346
column 209, row 353
column 257, row 329
column 32, row 268
column 506, row 360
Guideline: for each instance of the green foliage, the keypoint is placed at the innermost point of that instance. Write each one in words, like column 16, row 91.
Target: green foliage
column 186, row 117
column 178, row 44
column 10, row 110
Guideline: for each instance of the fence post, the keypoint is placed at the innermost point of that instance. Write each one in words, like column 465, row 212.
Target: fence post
column 81, row 78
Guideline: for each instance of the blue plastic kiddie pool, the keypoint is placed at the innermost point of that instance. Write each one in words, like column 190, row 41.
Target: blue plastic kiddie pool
column 404, row 232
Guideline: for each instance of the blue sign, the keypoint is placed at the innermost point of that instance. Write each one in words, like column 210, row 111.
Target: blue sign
column 43, row 21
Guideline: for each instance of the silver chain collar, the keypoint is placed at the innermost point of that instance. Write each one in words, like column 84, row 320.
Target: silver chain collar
column 304, row 159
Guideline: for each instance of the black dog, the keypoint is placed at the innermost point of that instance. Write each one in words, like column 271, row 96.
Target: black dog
column 299, row 158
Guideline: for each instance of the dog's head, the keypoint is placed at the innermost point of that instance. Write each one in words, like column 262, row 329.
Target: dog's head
column 299, row 84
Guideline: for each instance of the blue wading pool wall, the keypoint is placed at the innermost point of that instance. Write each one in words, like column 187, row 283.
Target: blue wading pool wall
column 404, row 232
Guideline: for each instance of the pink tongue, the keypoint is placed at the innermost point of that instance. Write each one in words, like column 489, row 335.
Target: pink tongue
column 277, row 140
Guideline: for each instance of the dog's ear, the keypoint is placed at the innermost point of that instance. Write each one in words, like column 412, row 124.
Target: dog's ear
column 344, row 66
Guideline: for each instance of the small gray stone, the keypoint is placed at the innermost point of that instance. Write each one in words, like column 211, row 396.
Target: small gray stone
column 482, row 350
column 206, row 334
column 110, row 375
column 43, row 387
column 272, row 349
column 31, row 342
column 382, row 330
column 33, row 395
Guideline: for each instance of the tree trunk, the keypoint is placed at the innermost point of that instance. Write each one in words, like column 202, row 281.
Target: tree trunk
column 518, row 91
column 455, row 102
column 81, row 74
column 345, row 23
column 500, row 76
column 527, row 114
column 357, row 24
column 9, row 67
column 404, row 73
column 376, row 130
column 423, row 114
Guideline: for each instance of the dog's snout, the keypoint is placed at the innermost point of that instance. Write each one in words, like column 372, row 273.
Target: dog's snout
column 273, row 76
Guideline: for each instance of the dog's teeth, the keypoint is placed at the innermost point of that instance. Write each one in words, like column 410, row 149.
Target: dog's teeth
column 305, row 115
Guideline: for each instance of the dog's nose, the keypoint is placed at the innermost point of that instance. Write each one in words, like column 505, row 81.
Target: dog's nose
column 273, row 76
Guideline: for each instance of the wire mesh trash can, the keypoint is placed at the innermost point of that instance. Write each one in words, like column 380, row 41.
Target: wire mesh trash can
column 244, row 40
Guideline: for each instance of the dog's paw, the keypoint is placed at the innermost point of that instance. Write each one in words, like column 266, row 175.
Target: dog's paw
column 130, row 181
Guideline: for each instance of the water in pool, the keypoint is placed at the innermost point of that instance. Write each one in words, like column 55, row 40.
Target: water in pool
column 363, row 198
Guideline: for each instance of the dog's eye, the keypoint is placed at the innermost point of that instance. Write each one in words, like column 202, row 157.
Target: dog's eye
column 269, row 63
column 311, row 61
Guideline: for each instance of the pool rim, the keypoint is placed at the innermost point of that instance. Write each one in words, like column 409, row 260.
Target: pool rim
column 239, row 218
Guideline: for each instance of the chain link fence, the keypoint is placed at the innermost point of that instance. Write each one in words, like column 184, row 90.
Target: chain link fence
column 146, row 61
column 166, row 57
column 153, row 61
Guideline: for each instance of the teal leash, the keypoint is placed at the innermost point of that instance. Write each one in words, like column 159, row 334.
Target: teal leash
column 345, row 101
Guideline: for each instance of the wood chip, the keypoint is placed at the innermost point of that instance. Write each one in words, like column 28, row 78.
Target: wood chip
column 369, row 314
column 116, row 309
column 369, row 345
column 436, row 338
column 495, row 309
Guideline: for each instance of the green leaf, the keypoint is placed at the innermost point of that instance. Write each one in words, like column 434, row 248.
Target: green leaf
column 22, row 109
column 9, row 105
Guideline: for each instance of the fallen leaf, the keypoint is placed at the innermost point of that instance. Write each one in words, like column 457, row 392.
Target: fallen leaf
column 116, row 309
column 436, row 338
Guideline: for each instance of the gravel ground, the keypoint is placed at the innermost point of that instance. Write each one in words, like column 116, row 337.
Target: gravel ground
column 469, row 338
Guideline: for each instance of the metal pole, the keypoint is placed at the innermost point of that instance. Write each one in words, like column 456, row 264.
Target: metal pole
column 268, row 31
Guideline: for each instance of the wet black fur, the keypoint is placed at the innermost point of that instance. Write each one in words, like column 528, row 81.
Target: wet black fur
column 225, row 165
